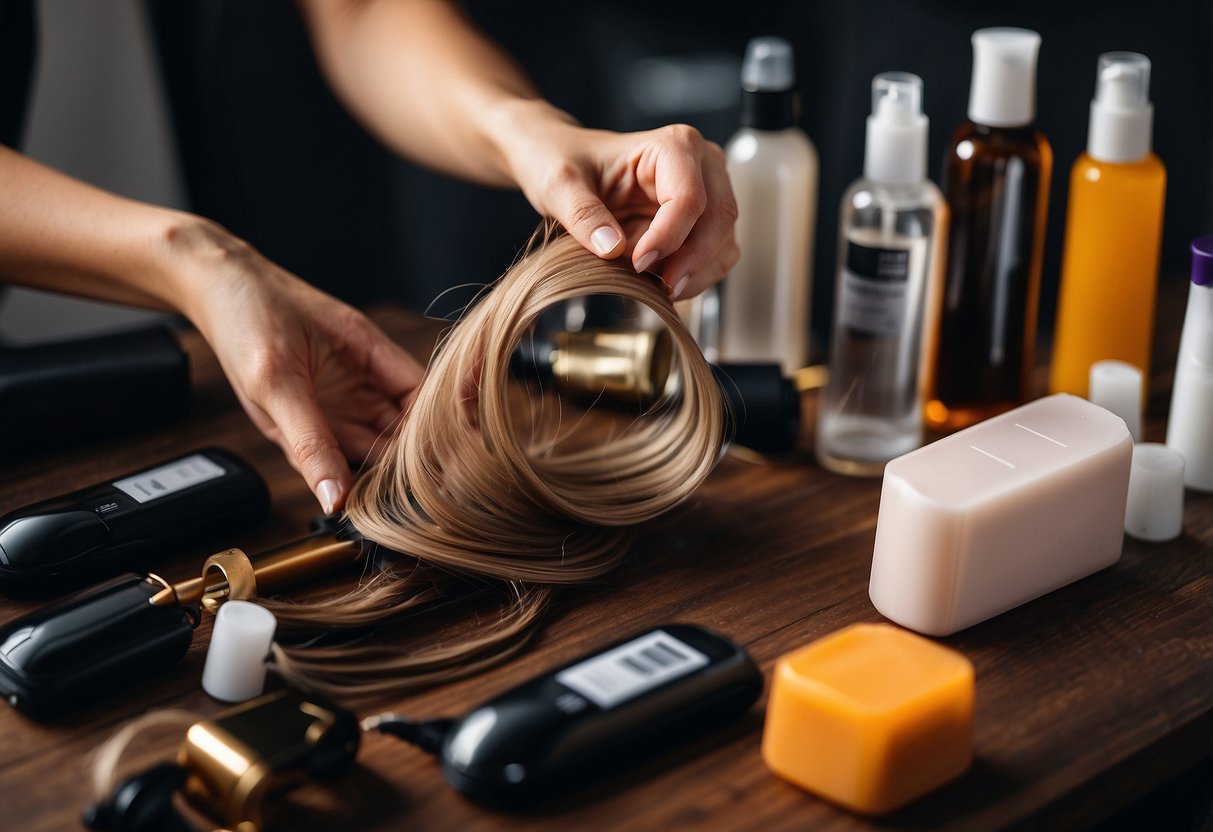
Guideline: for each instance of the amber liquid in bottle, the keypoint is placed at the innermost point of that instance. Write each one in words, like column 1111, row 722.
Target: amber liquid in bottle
column 981, row 360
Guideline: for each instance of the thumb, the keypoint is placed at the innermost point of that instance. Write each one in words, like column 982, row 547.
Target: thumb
column 309, row 443
column 583, row 215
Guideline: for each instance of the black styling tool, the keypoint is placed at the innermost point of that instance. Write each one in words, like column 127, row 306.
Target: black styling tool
column 603, row 711
column 128, row 522
column 75, row 652
column 105, row 386
column 229, row 764
column 764, row 406
column 630, row 367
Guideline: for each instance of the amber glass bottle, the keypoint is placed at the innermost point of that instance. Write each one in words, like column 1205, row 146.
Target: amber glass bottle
column 996, row 181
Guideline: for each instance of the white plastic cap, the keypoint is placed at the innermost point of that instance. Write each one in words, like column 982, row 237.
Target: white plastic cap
column 897, row 131
column 1155, row 510
column 768, row 66
column 240, row 642
column 1117, row 386
column 1003, row 93
column 1122, row 117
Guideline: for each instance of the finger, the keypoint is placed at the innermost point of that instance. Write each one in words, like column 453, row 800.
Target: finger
column 392, row 370
column 386, row 418
column 680, row 193
column 573, row 202
column 361, row 444
column 712, row 273
column 694, row 266
column 307, row 440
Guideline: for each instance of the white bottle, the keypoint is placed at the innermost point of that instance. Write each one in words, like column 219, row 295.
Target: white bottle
column 1190, row 425
column 892, row 229
column 764, row 314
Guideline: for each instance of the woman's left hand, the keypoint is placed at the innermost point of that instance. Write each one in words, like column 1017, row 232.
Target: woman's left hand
column 661, row 197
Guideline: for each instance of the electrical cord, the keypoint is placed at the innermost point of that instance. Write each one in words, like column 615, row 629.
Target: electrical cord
column 428, row 734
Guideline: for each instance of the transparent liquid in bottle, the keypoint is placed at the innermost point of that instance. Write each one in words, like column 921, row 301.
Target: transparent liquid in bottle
column 871, row 408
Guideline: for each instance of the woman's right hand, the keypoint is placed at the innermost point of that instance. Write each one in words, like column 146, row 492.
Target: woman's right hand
column 314, row 374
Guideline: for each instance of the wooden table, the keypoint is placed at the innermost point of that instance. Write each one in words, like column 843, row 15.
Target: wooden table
column 1087, row 698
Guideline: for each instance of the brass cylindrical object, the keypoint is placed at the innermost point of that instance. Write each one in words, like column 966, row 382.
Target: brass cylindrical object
column 628, row 366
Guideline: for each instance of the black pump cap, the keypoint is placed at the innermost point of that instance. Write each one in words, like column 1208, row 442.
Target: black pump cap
column 769, row 110
column 768, row 84
column 765, row 406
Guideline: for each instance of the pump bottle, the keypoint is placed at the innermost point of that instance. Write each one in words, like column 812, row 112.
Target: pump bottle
column 764, row 313
column 996, row 182
column 1190, row 425
column 892, row 223
column 1109, row 270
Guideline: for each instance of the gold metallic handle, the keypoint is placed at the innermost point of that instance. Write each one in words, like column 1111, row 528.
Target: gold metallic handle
column 232, row 575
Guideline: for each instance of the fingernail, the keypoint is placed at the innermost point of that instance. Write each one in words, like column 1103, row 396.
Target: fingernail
column 642, row 265
column 679, row 286
column 329, row 493
column 604, row 239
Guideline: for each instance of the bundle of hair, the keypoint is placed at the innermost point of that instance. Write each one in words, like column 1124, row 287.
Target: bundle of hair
column 469, row 489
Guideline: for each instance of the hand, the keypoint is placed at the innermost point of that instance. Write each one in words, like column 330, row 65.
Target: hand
column 315, row 375
column 661, row 197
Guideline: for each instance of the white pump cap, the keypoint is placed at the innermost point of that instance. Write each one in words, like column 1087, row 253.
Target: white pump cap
column 240, row 642
column 1003, row 93
column 896, row 152
column 768, row 65
column 1122, row 116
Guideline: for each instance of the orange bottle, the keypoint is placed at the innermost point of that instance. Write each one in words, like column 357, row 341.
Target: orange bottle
column 1109, row 270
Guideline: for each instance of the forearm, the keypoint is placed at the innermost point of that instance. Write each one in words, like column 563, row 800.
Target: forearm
column 420, row 77
column 62, row 235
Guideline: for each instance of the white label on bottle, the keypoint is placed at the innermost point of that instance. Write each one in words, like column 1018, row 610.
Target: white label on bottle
column 167, row 479
column 875, row 283
column 630, row 669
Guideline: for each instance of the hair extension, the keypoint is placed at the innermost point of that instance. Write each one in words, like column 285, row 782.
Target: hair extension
column 464, row 494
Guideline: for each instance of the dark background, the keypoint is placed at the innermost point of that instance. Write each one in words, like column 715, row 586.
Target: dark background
column 267, row 151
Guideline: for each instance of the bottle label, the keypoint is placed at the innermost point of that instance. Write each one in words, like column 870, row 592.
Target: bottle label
column 171, row 478
column 875, row 283
column 631, row 669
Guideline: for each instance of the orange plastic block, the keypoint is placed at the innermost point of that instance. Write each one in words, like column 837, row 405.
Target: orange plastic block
column 870, row 717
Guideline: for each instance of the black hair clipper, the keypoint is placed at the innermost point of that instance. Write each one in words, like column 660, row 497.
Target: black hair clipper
column 605, row 711
column 75, row 652
column 128, row 522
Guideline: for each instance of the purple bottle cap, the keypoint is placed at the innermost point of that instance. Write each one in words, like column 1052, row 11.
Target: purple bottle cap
column 1202, row 261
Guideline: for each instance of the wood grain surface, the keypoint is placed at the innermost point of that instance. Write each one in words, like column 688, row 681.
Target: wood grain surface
column 1086, row 698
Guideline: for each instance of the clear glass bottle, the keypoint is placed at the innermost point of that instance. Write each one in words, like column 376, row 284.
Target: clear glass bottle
column 892, row 229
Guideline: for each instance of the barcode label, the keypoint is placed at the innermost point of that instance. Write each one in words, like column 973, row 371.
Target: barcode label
column 167, row 479
column 630, row 669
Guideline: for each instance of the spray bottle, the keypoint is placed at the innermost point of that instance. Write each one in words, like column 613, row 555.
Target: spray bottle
column 1109, row 271
column 892, row 224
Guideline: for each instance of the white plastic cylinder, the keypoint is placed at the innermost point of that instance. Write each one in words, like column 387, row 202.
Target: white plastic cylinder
column 1116, row 386
column 1190, row 425
column 240, row 642
column 1155, row 509
column 1003, row 91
